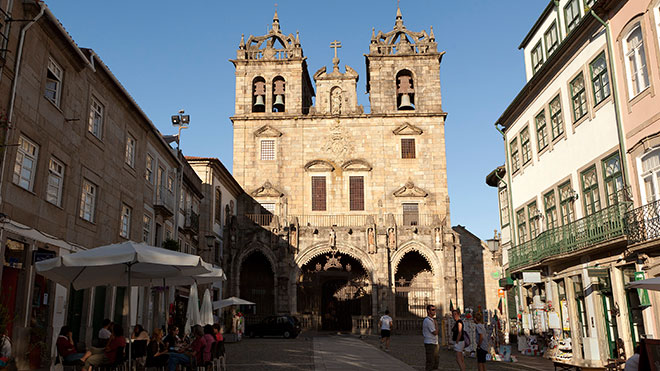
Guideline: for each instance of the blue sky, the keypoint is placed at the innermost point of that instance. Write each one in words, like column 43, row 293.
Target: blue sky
column 174, row 54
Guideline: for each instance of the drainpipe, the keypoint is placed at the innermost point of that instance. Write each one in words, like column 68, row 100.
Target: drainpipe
column 508, row 186
column 615, row 94
column 10, row 114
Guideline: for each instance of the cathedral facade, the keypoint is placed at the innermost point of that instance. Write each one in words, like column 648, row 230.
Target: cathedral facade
column 347, row 212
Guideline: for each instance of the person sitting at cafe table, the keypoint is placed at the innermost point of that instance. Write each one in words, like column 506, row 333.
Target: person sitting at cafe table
column 157, row 354
column 139, row 333
column 67, row 348
column 209, row 339
column 104, row 333
column 194, row 353
column 172, row 339
column 109, row 354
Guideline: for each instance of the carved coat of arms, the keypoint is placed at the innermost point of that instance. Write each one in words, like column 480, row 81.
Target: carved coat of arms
column 340, row 143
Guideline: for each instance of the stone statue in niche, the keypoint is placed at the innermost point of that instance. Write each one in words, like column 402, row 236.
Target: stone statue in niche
column 335, row 101
column 333, row 238
column 438, row 238
column 391, row 239
column 371, row 240
column 293, row 239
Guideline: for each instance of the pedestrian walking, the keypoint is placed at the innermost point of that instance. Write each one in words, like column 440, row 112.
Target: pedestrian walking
column 457, row 337
column 430, row 332
column 386, row 324
column 482, row 341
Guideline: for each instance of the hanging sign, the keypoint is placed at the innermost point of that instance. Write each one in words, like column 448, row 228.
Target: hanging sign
column 598, row 272
column 500, row 293
column 642, row 293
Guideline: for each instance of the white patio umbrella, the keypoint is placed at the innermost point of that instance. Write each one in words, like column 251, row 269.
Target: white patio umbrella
column 649, row 284
column 230, row 301
column 206, row 311
column 192, row 314
column 119, row 265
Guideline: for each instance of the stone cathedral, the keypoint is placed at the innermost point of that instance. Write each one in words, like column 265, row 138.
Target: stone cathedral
column 346, row 212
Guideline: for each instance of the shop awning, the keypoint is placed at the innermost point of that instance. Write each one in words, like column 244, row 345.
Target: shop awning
column 33, row 234
column 506, row 282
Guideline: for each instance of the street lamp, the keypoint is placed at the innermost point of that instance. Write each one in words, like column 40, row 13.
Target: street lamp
column 181, row 121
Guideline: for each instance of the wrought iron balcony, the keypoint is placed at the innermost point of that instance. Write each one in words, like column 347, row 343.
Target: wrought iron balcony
column 643, row 223
column 164, row 201
column 602, row 226
column 192, row 221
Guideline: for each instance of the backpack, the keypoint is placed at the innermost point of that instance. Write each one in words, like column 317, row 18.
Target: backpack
column 466, row 339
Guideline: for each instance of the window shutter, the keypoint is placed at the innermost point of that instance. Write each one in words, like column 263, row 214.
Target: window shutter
column 357, row 192
column 407, row 148
column 318, row 193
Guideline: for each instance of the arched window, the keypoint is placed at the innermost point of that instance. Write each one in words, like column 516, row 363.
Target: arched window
column 259, row 94
column 635, row 60
column 405, row 91
column 279, row 94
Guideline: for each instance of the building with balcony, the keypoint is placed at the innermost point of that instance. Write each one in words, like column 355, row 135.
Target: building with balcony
column 82, row 166
column 346, row 213
column 564, row 191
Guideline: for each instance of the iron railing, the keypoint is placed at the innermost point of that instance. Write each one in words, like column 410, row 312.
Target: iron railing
column 260, row 219
column 408, row 220
column 164, row 199
column 192, row 221
column 643, row 223
column 604, row 225
column 326, row 220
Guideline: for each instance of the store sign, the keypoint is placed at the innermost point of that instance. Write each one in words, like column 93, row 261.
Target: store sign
column 642, row 293
column 598, row 272
column 38, row 256
column 531, row 277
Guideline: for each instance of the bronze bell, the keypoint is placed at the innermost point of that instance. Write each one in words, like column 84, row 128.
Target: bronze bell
column 279, row 102
column 259, row 102
column 405, row 103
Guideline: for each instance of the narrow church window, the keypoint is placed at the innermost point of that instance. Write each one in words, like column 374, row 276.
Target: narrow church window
column 356, row 188
column 279, row 89
column 408, row 148
column 318, row 193
column 410, row 214
column 405, row 91
column 268, row 149
column 259, row 94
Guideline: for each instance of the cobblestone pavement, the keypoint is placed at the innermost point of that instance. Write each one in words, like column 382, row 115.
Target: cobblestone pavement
column 299, row 354
column 409, row 349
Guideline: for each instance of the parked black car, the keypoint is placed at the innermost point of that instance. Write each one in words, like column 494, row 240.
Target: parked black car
column 281, row 325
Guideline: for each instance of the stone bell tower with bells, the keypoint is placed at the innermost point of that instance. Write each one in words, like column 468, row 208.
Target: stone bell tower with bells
column 271, row 75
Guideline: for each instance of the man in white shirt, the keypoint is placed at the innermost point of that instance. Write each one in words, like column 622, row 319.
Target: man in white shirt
column 104, row 333
column 430, row 332
column 385, row 323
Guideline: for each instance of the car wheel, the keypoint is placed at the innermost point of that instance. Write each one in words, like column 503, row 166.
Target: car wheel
column 286, row 334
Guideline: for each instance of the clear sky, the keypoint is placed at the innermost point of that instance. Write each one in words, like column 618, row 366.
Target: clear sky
column 174, row 54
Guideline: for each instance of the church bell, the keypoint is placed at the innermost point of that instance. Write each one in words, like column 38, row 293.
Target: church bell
column 259, row 102
column 405, row 103
column 279, row 102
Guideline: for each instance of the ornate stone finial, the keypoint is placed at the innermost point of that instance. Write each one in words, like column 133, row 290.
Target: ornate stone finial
column 399, row 17
column 335, row 61
column 297, row 38
column 432, row 35
column 276, row 21
column 241, row 45
column 373, row 35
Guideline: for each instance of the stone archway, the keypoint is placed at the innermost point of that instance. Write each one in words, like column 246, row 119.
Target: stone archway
column 415, row 276
column 255, row 279
column 330, row 287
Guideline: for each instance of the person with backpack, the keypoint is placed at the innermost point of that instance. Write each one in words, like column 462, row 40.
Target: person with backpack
column 458, row 336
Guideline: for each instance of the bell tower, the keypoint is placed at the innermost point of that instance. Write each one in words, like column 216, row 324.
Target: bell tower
column 271, row 75
column 403, row 71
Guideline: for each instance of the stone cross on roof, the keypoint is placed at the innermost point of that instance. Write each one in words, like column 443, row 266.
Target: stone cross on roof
column 335, row 61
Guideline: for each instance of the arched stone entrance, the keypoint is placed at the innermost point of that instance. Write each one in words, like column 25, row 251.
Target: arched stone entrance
column 413, row 285
column 257, row 282
column 334, row 287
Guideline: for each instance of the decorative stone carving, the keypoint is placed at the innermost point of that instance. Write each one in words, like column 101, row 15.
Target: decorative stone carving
column 273, row 45
column 266, row 190
column 339, row 144
column 267, row 131
column 335, row 100
column 401, row 41
column 410, row 190
column 319, row 166
column 437, row 233
column 407, row 129
column 391, row 239
column 371, row 241
column 356, row 165
column 333, row 238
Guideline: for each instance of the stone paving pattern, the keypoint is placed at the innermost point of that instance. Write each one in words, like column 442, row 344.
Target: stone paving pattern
column 322, row 351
